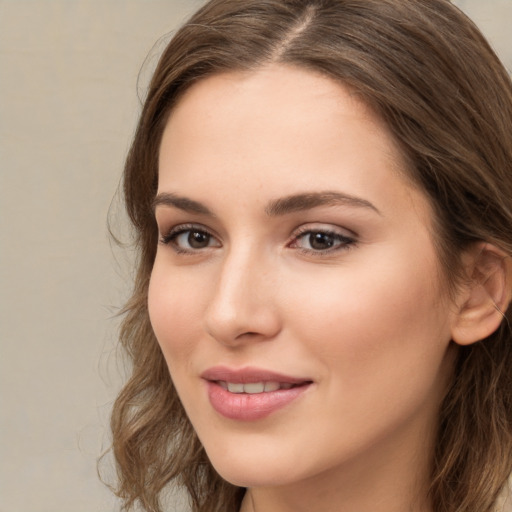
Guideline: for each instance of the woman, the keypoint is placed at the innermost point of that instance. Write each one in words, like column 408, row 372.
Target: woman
column 322, row 197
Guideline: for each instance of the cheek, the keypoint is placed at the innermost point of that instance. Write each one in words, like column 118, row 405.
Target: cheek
column 367, row 319
column 174, row 306
column 379, row 339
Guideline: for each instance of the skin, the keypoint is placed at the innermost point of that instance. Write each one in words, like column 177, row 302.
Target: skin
column 367, row 321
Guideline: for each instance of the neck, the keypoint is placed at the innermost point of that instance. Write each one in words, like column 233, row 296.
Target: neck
column 356, row 499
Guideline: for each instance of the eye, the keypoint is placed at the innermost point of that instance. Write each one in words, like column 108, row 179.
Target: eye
column 186, row 238
column 321, row 241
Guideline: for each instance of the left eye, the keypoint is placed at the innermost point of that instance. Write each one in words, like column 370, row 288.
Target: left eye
column 191, row 239
column 321, row 241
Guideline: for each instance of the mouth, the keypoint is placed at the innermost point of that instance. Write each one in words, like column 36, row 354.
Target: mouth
column 253, row 388
column 250, row 394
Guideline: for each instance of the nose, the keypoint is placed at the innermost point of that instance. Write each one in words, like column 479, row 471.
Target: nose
column 243, row 307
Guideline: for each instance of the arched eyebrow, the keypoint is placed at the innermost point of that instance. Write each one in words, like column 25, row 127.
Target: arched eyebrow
column 183, row 203
column 276, row 207
column 306, row 201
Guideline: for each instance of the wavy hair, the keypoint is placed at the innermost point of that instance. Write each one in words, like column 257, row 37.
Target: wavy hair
column 427, row 71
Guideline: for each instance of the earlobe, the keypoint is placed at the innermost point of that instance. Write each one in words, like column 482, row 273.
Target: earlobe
column 486, row 295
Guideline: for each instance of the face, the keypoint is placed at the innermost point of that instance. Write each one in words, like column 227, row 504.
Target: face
column 295, row 292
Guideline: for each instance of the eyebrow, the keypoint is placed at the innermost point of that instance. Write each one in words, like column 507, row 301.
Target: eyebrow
column 275, row 208
column 183, row 203
column 300, row 202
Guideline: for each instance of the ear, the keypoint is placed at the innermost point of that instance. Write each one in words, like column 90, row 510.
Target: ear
column 484, row 298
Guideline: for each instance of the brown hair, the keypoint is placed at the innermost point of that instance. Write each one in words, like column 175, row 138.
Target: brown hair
column 432, row 77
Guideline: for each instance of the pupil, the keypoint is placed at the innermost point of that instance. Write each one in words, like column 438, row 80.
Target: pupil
column 321, row 241
column 198, row 240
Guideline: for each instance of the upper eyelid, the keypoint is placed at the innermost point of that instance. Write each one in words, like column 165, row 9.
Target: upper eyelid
column 332, row 232
column 186, row 226
column 346, row 243
column 183, row 228
column 169, row 239
column 296, row 232
column 325, row 228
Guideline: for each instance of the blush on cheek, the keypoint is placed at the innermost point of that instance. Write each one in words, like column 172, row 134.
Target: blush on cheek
column 175, row 323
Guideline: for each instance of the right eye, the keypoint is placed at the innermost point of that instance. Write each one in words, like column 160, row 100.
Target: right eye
column 188, row 239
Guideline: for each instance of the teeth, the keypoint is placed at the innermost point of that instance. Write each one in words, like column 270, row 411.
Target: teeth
column 235, row 388
column 272, row 386
column 253, row 387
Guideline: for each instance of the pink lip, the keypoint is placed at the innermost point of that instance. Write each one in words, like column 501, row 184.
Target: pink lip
column 249, row 374
column 250, row 407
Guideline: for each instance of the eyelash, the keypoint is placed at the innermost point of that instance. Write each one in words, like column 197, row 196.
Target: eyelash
column 174, row 233
column 344, row 242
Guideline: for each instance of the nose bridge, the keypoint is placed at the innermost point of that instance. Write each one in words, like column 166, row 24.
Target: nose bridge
column 242, row 305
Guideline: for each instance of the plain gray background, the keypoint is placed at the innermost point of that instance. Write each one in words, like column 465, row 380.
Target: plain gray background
column 68, row 106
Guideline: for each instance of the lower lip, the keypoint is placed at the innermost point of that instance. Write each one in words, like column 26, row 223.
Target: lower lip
column 251, row 407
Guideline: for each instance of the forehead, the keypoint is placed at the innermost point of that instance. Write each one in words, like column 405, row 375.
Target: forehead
column 285, row 100
column 275, row 128
column 272, row 89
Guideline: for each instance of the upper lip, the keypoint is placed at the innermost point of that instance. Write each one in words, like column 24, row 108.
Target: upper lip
column 249, row 374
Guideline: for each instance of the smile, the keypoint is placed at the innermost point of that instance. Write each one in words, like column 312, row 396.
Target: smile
column 251, row 394
column 252, row 388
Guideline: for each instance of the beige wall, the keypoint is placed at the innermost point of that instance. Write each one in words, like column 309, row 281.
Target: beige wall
column 68, row 105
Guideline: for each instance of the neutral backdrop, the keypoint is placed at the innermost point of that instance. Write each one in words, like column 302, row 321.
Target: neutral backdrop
column 68, row 106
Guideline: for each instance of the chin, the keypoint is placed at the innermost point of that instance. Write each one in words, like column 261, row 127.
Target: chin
column 243, row 476
column 259, row 467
